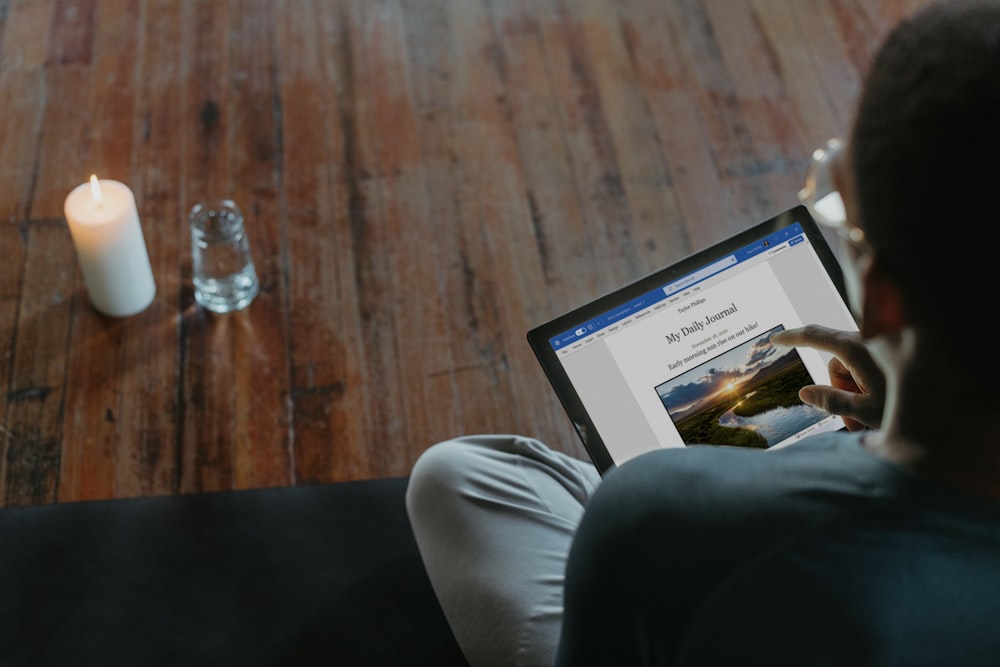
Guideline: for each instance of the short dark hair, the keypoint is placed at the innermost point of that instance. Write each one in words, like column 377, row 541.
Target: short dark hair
column 925, row 149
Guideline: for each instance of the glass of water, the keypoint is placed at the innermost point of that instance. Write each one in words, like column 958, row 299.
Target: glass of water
column 224, row 276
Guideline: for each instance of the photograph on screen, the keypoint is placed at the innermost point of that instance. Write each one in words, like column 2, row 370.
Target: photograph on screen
column 745, row 397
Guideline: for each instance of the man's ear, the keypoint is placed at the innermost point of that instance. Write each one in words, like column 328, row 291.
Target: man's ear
column 883, row 308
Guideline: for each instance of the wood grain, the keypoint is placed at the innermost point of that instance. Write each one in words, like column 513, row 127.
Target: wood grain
column 422, row 182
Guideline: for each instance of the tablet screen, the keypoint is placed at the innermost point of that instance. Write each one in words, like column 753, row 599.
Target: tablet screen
column 684, row 356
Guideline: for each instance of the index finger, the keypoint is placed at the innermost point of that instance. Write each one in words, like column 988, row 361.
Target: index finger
column 814, row 335
column 848, row 345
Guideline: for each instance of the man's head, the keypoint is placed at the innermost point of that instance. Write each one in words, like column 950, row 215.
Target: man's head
column 925, row 151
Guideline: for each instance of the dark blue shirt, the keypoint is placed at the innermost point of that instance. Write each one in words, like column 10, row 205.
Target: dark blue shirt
column 814, row 554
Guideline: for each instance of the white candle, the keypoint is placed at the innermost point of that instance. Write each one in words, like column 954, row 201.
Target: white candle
column 104, row 224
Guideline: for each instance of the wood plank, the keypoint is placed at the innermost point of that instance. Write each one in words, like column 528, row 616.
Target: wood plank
column 484, row 149
column 4, row 8
column 26, row 34
column 468, row 395
column 114, row 77
column 40, row 367
column 23, row 97
column 207, row 369
column 13, row 240
column 497, row 213
column 315, row 310
column 64, row 132
column 148, row 460
column 746, row 195
column 422, row 341
column 558, row 221
column 71, row 39
column 658, row 232
column 780, row 151
column 655, row 44
column 590, row 144
column 336, row 404
column 262, row 436
column 567, row 258
column 235, row 368
column 326, row 202
column 470, row 318
column 366, row 282
column 205, row 72
column 34, row 414
column 862, row 28
column 91, row 436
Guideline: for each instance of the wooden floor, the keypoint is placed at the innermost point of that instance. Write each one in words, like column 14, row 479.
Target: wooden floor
column 424, row 180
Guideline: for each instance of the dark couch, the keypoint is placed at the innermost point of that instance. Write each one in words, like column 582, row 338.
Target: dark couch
column 305, row 575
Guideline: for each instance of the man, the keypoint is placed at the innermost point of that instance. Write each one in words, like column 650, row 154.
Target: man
column 880, row 546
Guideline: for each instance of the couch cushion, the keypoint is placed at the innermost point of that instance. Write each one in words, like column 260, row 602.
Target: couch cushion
column 292, row 576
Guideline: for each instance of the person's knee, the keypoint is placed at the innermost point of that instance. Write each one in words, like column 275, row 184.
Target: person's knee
column 437, row 476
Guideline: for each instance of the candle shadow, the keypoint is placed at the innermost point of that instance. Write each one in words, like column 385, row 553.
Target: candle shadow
column 132, row 344
column 141, row 383
column 173, row 337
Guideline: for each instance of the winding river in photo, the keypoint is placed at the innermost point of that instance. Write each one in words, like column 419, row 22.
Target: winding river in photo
column 777, row 424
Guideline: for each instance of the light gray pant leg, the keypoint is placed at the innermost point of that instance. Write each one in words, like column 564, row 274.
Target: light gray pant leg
column 494, row 516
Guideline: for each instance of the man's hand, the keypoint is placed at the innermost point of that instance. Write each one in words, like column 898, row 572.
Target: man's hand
column 857, row 391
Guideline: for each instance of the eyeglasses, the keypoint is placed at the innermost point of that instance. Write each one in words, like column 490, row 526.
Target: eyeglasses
column 822, row 198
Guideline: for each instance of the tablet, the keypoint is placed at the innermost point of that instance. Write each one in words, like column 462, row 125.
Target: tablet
column 683, row 356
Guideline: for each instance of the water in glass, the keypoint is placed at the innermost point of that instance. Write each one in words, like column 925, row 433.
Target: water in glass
column 224, row 275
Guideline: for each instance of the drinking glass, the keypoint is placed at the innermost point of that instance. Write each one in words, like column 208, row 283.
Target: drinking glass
column 224, row 275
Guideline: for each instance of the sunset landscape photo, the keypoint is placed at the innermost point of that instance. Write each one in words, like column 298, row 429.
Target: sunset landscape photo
column 745, row 397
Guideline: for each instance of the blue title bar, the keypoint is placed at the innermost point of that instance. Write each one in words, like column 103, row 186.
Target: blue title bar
column 792, row 234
